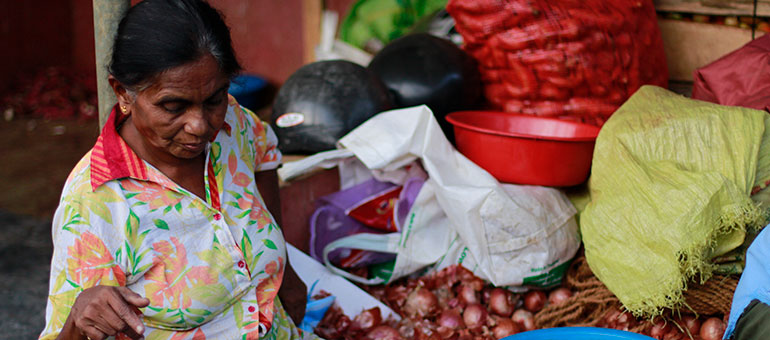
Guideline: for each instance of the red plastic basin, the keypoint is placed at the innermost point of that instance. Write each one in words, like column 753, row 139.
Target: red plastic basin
column 525, row 149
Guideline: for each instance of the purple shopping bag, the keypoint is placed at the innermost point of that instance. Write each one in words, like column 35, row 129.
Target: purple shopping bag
column 343, row 213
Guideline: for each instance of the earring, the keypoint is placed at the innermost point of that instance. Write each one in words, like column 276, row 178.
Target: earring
column 123, row 109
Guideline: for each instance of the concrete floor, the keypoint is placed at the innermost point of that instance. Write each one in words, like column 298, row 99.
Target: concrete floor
column 25, row 256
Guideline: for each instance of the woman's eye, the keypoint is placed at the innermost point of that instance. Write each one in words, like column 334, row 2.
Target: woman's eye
column 173, row 108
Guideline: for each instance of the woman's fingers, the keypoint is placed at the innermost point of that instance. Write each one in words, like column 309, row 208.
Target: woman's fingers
column 121, row 318
column 93, row 333
column 104, row 311
column 133, row 298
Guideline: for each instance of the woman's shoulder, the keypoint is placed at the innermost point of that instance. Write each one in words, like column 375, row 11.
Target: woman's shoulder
column 241, row 118
column 79, row 185
column 80, row 174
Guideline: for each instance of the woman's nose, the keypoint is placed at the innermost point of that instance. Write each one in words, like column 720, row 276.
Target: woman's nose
column 196, row 123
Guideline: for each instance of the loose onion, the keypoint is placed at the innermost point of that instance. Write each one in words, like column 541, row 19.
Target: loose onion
column 624, row 321
column 659, row 329
column 421, row 302
column 559, row 295
column 691, row 324
column 524, row 318
column 712, row 329
column 367, row 319
column 450, row 319
column 384, row 332
column 505, row 327
column 501, row 302
column 474, row 316
column 674, row 334
column 467, row 295
column 534, row 300
column 611, row 317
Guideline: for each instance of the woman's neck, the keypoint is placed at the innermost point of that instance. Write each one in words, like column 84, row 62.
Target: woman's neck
column 188, row 173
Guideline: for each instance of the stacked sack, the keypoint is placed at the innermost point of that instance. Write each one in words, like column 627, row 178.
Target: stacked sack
column 574, row 59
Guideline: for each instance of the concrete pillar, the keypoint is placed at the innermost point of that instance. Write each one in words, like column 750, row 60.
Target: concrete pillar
column 107, row 15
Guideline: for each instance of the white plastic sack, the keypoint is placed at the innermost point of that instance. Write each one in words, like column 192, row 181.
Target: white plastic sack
column 515, row 234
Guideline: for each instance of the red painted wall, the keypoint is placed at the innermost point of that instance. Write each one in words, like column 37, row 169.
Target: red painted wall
column 33, row 34
column 267, row 35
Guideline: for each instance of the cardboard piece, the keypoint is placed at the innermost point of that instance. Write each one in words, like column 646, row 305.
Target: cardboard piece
column 350, row 298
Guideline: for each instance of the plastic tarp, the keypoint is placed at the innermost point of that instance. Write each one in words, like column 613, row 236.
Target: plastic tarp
column 670, row 186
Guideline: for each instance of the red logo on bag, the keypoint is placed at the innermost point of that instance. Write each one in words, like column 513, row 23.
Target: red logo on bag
column 377, row 211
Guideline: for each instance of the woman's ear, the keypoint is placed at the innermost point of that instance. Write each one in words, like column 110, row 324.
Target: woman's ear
column 121, row 92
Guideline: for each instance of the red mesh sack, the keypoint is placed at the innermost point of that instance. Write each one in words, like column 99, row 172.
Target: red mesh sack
column 573, row 59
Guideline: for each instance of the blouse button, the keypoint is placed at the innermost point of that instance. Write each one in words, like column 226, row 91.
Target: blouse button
column 241, row 264
column 252, row 309
column 217, row 217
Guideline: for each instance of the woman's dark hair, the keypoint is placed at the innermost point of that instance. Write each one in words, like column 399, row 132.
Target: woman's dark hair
column 157, row 35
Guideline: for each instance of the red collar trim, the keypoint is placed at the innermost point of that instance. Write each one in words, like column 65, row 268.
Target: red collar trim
column 112, row 158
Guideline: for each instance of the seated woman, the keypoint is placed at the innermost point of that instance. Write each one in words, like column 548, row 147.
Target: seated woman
column 163, row 230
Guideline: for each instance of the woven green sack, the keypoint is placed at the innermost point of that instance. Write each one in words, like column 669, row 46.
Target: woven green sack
column 384, row 20
column 670, row 190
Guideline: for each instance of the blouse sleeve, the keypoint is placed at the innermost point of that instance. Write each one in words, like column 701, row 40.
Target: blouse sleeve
column 83, row 257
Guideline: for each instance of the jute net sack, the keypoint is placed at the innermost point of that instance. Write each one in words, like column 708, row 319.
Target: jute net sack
column 591, row 299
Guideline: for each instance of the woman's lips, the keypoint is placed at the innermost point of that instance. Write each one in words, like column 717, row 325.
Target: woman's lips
column 194, row 147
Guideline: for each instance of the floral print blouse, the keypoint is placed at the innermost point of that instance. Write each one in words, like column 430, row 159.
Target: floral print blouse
column 210, row 268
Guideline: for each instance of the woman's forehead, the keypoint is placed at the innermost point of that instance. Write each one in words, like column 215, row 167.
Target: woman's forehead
column 203, row 76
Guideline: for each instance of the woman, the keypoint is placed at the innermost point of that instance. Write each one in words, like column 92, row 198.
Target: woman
column 161, row 231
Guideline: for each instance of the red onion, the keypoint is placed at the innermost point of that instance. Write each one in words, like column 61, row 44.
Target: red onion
column 624, row 318
column 501, row 302
column 453, row 303
column 425, row 330
column 524, row 319
column 367, row 319
column 505, row 327
column 674, row 334
column 486, row 293
column 342, row 324
column 476, row 283
column 611, row 317
column 464, row 334
column 691, row 324
column 559, row 295
column 659, row 329
column 444, row 332
column 474, row 316
column 450, row 319
column 467, row 295
column 712, row 329
column 534, row 300
column 396, row 295
column 421, row 302
column 383, row 332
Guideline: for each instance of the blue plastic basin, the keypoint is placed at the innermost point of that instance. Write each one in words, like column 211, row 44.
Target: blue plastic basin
column 577, row 333
column 247, row 90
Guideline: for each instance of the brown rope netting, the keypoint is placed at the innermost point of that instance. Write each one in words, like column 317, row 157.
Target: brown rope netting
column 591, row 299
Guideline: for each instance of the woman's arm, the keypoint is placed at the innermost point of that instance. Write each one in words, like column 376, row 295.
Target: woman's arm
column 293, row 291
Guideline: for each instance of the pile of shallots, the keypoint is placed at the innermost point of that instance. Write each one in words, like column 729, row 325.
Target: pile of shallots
column 455, row 304
column 450, row 304
column 680, row 327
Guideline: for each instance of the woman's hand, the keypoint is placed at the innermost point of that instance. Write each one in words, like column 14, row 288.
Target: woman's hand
column 104, row 311
column 293, row 295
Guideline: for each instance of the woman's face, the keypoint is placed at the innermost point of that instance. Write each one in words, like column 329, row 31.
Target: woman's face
column 180, row 111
